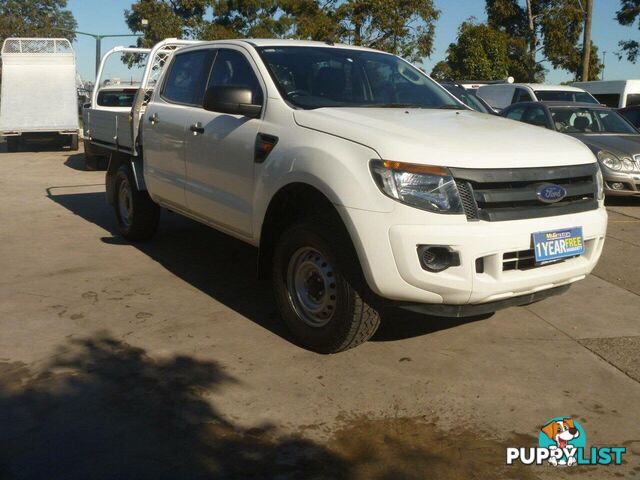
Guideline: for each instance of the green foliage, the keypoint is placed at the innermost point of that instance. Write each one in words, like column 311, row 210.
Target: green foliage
column 479, row 53
column 553, row 29
column 35, row 18
column 442, row 71
column 405, row 27
column 627, row 15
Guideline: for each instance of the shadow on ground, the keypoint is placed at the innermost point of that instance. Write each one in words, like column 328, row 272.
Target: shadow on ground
column 104, row 409
column 76, row 162
column 225, row 268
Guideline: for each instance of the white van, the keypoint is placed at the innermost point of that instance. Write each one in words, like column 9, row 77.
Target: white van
column 613, row 93
column 502, row 95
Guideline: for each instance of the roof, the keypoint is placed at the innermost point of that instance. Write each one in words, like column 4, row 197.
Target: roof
column 563, row 104
column 544, row 86
column 277, row 42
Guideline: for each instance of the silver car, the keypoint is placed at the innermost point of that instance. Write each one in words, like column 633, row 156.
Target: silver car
column 610, row 136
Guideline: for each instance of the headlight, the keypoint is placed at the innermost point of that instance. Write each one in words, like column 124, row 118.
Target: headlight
column 628, row 165
column 427, row 187
column 609, row 160
column 599, row 185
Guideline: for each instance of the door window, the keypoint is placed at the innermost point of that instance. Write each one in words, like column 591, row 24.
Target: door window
column 516, row 113
column 521, row 95
column 186, row 78
column 231, row 68
column 536, row 116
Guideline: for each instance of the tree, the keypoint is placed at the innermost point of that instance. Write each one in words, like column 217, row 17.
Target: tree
column 549, row 27
column 405, row 27
column 627, row 15
column 586, row 40
column 442, row 71
column 35, row 18
column 480, row 52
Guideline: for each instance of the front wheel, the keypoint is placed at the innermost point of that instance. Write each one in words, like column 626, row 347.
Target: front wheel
column 314, row 279
column 136, row 214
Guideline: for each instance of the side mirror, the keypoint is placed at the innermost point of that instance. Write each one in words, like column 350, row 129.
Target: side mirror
column 86, row 105
column 232, row 100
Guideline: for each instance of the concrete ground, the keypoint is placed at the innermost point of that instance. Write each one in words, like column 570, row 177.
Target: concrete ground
column 167, row 359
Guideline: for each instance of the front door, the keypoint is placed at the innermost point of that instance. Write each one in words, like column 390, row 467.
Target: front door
column 165, row 122
column 220, row 150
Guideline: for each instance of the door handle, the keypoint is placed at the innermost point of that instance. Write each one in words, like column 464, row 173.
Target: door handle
column 196, row 128
column 154, row 118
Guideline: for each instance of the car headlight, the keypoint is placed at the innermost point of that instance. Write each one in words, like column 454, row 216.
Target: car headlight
column 427, row 187
column 628, row 165
column 599, row 185
column 610, row 161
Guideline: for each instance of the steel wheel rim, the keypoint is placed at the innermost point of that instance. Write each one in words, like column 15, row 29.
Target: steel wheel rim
column 312, row 287
column 125, row 203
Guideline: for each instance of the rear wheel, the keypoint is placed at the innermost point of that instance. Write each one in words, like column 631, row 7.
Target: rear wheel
column 136, row 214
column 13, row 144
column 315, row 286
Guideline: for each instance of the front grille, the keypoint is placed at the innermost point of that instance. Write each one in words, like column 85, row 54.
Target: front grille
column 526, row 259
column 510, row 194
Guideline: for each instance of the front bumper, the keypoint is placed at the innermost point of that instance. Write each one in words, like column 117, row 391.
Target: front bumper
column 631, row 182
column 387, row 248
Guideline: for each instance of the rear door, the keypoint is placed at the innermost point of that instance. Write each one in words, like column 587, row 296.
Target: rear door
column 165, row 125
column 220, row 149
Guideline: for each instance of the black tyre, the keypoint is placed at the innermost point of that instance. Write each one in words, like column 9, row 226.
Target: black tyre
column 314, row 279
column 73, row 142
column 136, row 214
column 13, row 144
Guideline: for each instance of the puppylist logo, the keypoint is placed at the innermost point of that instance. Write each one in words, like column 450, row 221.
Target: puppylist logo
column 562, row 442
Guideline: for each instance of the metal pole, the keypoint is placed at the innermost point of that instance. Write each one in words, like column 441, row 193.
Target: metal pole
column 604, row 59
column 98, row 52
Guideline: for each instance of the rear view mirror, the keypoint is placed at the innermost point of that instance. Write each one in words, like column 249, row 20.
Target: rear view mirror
column 232, row 100
column 86, row 105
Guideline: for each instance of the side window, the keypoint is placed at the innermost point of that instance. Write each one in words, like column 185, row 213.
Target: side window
column 609, row 99
column 231, row 68
column 535, row 115
column 185, row 80
column 633, row 99
column 516, row 113
column 521, row 95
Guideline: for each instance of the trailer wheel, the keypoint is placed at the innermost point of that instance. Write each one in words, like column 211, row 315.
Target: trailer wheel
column 136, row 214
column 13, row 143
column 73, row 142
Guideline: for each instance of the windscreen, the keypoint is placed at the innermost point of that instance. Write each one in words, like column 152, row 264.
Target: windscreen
column 564, row 96
column 591, row 121
column 315, row 77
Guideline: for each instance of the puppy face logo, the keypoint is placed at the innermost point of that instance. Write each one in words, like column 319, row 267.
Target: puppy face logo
column 564, row 434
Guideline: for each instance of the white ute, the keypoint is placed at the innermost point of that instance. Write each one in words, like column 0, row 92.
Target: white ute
column 363, row 183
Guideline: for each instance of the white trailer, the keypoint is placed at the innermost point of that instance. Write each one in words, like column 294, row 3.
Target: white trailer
column 39, row 95
column 111, row 121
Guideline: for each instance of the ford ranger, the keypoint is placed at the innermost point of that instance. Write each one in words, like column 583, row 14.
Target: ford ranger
column 363, row 183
